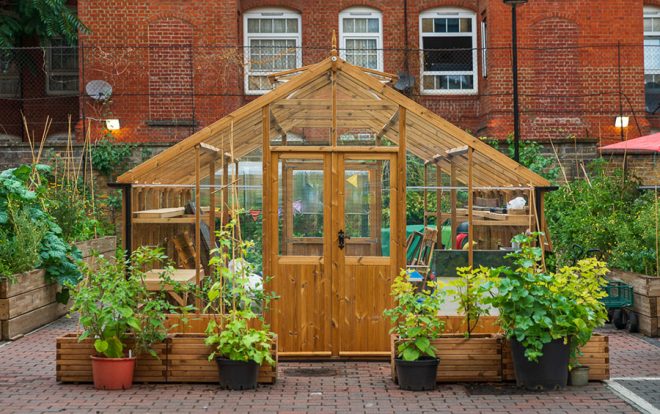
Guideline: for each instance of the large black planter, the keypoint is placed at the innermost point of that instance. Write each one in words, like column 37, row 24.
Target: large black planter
column 417, row 375
column 549, row 373
column 237, row 375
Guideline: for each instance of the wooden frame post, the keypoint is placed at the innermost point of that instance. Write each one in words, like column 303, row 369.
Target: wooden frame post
column 401, row 193
column 438, row 197
column 198, row 236
column 267, row 194
column 212, row 207
column 453, row 201
column 470, row 208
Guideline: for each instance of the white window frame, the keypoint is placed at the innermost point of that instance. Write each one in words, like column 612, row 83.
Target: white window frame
column 484, row 48
column 12, row 76
column 364, row 13
column 447, row 12
column 50, row 72
column 268, row 13
column 652, row 12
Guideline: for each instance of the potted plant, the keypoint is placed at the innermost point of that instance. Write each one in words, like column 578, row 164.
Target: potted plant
column 416, row 324
column 547, row 316
column 122, row 317
column 240, row 339
column 584, row 283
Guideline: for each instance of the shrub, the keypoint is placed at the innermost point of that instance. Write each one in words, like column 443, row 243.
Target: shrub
column 20, row 244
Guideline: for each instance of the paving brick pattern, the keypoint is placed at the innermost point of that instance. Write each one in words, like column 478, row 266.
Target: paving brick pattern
column 27, row 385
column 649, row 390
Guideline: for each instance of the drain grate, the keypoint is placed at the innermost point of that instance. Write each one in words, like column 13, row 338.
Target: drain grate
column 311, row 372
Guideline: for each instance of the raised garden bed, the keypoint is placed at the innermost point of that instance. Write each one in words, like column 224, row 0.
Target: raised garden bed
column 30, row 302
column 596, row 354
column 183, row 358
column 487, row 358
column 474, row 359
column 646, row 304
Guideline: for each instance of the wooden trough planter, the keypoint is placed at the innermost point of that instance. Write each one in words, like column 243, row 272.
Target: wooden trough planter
column 475, row 359
column 30, row 302
column 183, row 358
column 486, row 357
column 596, row 354
column 646, row 290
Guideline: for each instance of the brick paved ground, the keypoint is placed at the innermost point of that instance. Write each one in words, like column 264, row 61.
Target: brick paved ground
column 27, row 385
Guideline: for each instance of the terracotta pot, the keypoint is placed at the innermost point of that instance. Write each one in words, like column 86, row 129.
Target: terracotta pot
column 113, row 373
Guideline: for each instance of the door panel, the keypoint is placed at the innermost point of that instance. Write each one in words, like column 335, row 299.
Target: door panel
column 332, row 297
column 303, row 310
column 366, row 269
column 301, row 315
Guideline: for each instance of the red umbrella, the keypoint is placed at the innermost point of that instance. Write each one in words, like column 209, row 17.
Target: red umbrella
column 648, row 143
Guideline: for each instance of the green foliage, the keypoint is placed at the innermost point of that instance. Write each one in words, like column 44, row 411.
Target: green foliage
column 21, row 189
column 42, row 18
column 530, row 157
column 234, row 335
column 115, row 305
column 636, row 238
column 20, row 244
column 415, row 317
column 110, row 157
column 468, row 294
column 76, row 212
column 537, row 307
column 607, row 213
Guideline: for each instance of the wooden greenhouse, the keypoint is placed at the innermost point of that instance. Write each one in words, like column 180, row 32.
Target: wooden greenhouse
column 319, row 166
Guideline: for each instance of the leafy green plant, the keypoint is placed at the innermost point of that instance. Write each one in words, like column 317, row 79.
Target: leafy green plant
column 110, row 157
column 467, row 292
column 22, row 189
column 233, row 334
column 115, row 305
column 537, row 307
column 415, row 317
column 20, row 245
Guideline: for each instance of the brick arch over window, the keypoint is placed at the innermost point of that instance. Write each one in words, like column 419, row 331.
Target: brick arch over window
column 552, row 63
column 171, row 72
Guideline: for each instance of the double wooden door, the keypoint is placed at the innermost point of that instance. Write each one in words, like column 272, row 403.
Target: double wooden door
column 333, row 251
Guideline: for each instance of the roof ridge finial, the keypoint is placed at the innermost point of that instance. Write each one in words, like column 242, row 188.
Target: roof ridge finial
column 334, row 43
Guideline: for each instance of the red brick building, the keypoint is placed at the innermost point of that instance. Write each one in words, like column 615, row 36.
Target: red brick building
column 177, row 66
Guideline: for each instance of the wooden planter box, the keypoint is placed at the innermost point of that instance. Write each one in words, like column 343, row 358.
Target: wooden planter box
column 27, row 304
column 474, row 359
column 182, row 358
column 646, row 290
column 73, row 362
column 188, row 361
column 596, row 354
column 30, row 302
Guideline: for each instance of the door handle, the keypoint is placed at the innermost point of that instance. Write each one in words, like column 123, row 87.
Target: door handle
column 342, row 237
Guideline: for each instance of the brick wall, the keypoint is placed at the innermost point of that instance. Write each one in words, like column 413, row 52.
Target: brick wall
column 568, row 63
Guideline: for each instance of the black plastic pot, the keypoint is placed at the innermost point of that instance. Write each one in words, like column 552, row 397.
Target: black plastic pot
column 417, row 375
column 237, row 375
column 549, row 373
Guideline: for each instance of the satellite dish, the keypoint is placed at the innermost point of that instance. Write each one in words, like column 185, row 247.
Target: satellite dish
column 99, row 90
column 405, row 83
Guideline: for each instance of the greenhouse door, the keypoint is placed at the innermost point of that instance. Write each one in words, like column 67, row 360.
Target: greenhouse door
column 330, row 252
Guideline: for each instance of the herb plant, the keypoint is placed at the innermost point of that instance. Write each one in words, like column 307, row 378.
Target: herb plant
column 415, row 317
column 20, row 244
column 115, row 307
column 233, row 333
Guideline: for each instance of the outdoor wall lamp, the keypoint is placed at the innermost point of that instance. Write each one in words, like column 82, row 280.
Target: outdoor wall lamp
column 112, row 124
column 514, row 46
column 621, row 121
